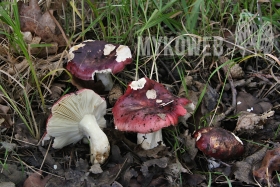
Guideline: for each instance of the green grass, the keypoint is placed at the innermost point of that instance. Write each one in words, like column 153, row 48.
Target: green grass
column 15, row 39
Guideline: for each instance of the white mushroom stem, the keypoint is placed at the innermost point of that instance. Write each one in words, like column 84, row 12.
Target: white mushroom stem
column 150, row 140
column 106, row 79
column 99, row 143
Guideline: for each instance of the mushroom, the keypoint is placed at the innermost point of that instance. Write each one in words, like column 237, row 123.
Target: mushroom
column 218, row 143
column 146, row 107
column 98, row 57
column 79, row 115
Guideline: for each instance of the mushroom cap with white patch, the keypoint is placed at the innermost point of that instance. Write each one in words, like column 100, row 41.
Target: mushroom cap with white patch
column 93, row 56
column 147, row 106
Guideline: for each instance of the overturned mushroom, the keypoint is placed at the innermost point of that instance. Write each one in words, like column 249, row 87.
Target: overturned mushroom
column 147, row 107
column 79, row 115
column 99, row 58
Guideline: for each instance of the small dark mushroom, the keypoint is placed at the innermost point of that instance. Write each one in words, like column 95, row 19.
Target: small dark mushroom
column 218, row 143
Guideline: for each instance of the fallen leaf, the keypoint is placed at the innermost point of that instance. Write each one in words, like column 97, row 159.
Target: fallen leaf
column 189, row 142
column 7, row 184
column 36, row 180
column 43, row 25
column 22, row 133
column 128, row 175
column 249, row 122
column 161, row 162
column 156, row 152
column 5, row 117
column 243, row 169
column 270, row 163
column 18, row 68
column 82, row 165
column 194, row 179
column 249, row 103
column 56, row 91
column 175, row 169
column 8, row 146
column 12, row 173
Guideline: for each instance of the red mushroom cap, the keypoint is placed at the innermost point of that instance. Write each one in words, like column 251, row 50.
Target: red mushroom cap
column 90, row 57
column 218, row 143
column 147, row 106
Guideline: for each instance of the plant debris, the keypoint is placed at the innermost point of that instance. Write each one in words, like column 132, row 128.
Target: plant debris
column 270, row 163
column 42, row 24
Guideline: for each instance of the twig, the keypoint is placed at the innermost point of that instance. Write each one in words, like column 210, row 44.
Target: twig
column 46, row 154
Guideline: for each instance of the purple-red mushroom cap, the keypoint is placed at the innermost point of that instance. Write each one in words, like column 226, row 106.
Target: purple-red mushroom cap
column 147, row 106
column 92, row 56
column 218, row 143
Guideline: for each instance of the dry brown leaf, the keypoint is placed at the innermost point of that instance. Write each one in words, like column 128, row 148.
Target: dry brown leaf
column 249, row 103
column 39, row 51
column 18, row 68
column 249, row 122
column 12, row 173
column 22, row 133
column 161, row 162
column 243, row 169
column 56, row 91
column 36, row 180
column 5, row 117
column 33, row 20
column 270, row 163
column 189, row 142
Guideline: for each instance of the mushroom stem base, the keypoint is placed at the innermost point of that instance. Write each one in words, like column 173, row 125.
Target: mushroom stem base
column 106, row 79
column 99, row 143
column 150, row 140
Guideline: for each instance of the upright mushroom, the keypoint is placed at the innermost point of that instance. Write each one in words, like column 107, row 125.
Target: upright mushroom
column 146, row 107
column 79, row 115
column 98, row 57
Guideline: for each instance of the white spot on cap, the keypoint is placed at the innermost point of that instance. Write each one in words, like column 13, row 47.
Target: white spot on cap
column 135, row 85
column 123, row 53
column 239, row 102
column 54, row 166
column 237, row 138
column 151, row 94
column 198, row 136
column 71, row 55
column 158, row 101
column 88, row 41
column 108, row 49
column 100, row 71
